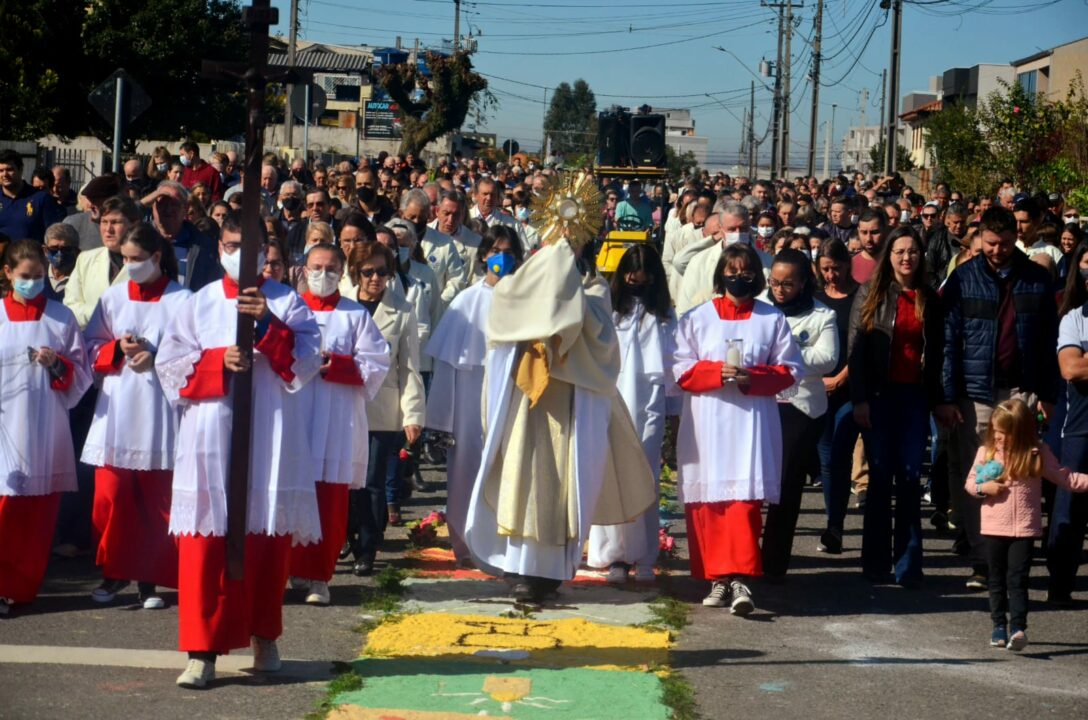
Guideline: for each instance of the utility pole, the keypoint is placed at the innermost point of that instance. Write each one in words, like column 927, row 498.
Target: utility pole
column 752, row 135
column 827, row 143
column 893, row 84
column 292, row 42
column 861, row 140
column 817, row 38
column 786, row 84
column 457, row 25
column 883, row 100
column 777, row 99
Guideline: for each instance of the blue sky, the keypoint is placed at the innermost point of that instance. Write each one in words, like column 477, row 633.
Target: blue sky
column 536, row 45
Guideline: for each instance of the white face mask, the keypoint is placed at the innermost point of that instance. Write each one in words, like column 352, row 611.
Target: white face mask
column 1073, row 220
column 735, row 237
column 904, row 216
column 141, row 271
column 765, row 231
column 854, row 219
column 322, row 283
column 232, row 263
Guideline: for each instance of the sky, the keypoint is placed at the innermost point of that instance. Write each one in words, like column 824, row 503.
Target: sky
column 664, row 53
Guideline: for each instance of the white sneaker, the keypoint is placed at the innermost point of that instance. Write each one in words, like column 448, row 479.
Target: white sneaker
column 153, row 602
column 719, row 592
column 297, row 583
column 742, row 599
column 319, row 593
column 197, row 675
column 266, row 656
column 1017, row 641
column 5, row 606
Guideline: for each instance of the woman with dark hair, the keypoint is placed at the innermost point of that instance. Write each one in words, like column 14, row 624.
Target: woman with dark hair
column 132, row 437
column 1069, row 238
column 646, row 331
column 277, row 262
column 765, row 226
column 733, row 356
column 896, row 340
column 837, row 289
column 1069, row 514
column 459, row 347
column 801, row 408
column 37, row 459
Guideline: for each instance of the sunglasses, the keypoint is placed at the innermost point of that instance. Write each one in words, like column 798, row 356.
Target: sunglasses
column 929, row 215
column 371, row 272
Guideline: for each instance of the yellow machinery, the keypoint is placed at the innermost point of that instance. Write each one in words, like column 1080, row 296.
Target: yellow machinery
column 615, row 243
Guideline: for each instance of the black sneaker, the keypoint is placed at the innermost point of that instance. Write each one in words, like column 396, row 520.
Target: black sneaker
column 1000, row 637
column 742, row 604
column 831, row 542
column 977, row 581
column 107, row 591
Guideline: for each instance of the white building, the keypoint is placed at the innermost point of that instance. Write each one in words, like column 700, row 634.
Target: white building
column 858, row 141
column 680, row 134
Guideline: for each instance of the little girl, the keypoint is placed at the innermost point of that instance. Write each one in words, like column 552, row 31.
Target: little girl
column 1007, row 475
column 43, row 373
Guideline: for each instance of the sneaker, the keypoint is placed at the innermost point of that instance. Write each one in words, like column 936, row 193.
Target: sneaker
column 859, row 499
column 319, row 593
column 266, row 656
column 1000, row 637
column 197, row 675
column 645, row 574
column 345, row 551
column 5, row 606
column 742, row 599
column 1018, row 641
column 830, row 542
column 617, row 574
column 107, row 591
column 977, row 581
column 719, row 593
column 297, row 583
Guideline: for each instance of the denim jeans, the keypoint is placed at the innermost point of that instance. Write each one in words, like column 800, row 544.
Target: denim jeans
column 1068, row 522
column 394, row 470
column 895, row 445
column 367, row 512
column 836, row 448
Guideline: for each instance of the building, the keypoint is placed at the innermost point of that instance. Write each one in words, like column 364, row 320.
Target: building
column 969, row 85
column 917, row 106
column 680, row 134
column 1053, row 72
column 858, row 142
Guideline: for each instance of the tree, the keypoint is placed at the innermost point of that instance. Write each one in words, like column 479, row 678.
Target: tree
column 903, row 163
column 57, row 51
column 680, row 166
column 571, row 122
column 959, row 150
column 430, row 107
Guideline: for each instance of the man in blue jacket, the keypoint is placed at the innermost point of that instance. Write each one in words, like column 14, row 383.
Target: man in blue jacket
column 198, row 254
column 1001, row 328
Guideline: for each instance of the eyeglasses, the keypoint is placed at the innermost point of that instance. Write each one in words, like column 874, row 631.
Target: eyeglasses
column 749, row 276
column 319, row 203
column 786, row 285
column 371, row 272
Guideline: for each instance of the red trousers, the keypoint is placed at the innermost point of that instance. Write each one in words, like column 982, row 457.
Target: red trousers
column 318, row 561
column 218, row 615
column 26, row 536
column 132, row 521
column 723, row 539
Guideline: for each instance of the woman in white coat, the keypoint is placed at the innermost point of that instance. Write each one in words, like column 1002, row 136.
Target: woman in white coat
column 459, row 348
column 801, row 408
column 397, row 412
column 646, row 330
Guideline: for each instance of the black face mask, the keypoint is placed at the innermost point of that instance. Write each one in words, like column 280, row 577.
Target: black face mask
column 292, row 205
column 739, row 287
column 366, row 194
column 640, row 291
column 421, row 229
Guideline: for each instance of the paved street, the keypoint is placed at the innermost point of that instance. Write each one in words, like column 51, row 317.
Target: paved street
column 823, row 644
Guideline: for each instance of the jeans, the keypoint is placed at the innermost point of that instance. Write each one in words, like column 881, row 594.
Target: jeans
column 1068, row 522
column 367, row 512
column 895, row 445
column 1010, row 564
column 799, row 436
column 836, row 449
column 394, row 471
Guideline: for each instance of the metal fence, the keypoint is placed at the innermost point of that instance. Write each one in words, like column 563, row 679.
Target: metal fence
column 81, row 168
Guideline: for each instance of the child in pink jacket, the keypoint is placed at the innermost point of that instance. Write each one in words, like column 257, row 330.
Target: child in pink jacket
column 1007, row 476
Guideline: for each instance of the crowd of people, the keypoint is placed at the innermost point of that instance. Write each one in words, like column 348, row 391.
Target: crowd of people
column 852, row 334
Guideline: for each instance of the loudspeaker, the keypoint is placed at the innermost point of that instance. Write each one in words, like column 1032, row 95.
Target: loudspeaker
column 648, row 140
column 611, row 139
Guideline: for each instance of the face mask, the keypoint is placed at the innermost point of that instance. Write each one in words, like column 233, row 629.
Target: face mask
column 185, row 160
column 404, row 254
column 1072, row 220
column 29, row 289
column 141, row 271
column 523, row 214
column 740, row 288
column 765, row 232
column 60, row 258
column 1084, row 273
column 421, row 229
column 904, row 216
column 322, row 283
column 292, row 204
column 162, row 167
column 366, row 194
column 640, row 291
column 732, row 238
column 502, row 264
column 232, row 263
column 854, row 219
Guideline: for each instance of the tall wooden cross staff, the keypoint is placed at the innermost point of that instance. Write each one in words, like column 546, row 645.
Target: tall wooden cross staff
column 255, row 76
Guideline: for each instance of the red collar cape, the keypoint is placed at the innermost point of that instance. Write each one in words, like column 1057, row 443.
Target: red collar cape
column 230, row 286
column 727, row 310
column 32, row 310
column 148, row 293
column 319, row 304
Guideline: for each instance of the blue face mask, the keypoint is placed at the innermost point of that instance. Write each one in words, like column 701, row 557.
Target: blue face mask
column 28, row 289
column 502, row 264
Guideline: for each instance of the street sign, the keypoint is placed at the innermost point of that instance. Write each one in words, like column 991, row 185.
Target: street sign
column 318, row 100
column 134, row 100
column 511, row 147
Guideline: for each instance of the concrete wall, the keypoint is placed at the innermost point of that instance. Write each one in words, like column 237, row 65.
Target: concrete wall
column 1066, row 62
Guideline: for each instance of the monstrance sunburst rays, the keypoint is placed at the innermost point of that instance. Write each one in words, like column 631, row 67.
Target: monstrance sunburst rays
column 570, row 207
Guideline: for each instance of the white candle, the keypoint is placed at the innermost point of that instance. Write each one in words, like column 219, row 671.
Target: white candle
column 732, row 356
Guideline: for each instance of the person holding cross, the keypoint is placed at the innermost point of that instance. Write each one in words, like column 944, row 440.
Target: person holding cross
column 196, row 361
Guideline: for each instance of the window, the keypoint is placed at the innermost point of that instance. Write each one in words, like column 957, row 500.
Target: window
column 1028, row 81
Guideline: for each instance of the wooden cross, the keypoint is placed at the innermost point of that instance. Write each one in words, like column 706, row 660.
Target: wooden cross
column 255, row 76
